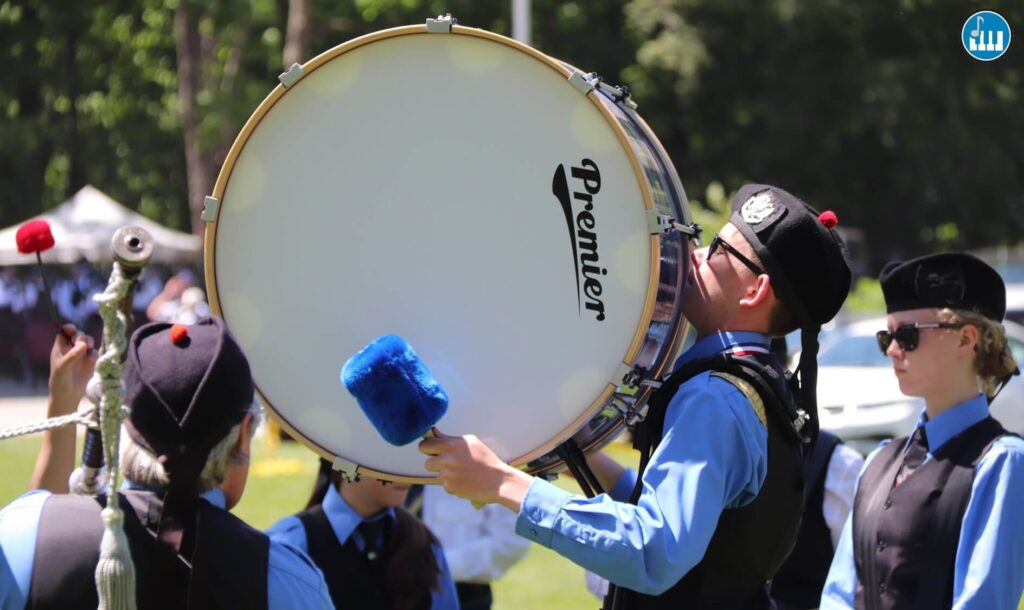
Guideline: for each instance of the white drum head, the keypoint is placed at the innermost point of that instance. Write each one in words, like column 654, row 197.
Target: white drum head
column 405, row 185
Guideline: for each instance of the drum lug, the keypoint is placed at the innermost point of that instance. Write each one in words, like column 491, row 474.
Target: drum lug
column 584, row 83
column 618, row 94
column 290, row 77
column 347, row 468
column 442, row 24
column 211, row 206
column 627, row 409
column 629, row 379
column 659, row 223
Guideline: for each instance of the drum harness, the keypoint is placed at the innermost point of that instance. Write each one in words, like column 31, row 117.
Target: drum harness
column 763, row 384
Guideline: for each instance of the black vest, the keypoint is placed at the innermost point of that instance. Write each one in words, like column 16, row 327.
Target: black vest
column 905, row 538
column 229, row 563
column 355, row 581
column 752, row 541
column 801, row 579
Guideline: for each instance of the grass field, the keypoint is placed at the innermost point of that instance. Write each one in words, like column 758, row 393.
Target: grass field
column 279, row 484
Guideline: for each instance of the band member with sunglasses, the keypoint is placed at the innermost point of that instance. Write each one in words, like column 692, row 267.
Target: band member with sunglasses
column 932, row 523
column 716, row 506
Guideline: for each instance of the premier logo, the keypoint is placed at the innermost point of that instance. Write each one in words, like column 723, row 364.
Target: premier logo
column 582, row 227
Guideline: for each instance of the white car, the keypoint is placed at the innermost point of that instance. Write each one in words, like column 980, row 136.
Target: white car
column 859, row 398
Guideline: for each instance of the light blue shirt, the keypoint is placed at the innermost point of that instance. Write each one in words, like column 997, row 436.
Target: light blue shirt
column 344, row 520
column 713, row 456
column 292, row 579
column 989, row 568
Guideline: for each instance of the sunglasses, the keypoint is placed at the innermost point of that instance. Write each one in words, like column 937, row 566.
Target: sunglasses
column 719, row 242
column 908, row 336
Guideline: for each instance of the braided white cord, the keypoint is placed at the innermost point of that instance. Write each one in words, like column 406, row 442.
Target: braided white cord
column 83, row 418
column 115, row 572
column 109, row 369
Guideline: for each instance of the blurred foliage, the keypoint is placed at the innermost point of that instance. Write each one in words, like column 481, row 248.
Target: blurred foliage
column 866, row 297
column 869, row 108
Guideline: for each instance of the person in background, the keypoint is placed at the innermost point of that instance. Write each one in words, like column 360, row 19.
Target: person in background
column 181, row 301
column 480, row 544
column 373, row 553
column 830, row 472
column 935, row 520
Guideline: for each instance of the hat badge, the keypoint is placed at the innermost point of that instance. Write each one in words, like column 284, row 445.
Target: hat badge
column 758, row 208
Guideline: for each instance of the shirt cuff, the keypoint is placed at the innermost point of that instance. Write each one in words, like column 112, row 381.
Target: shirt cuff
column 539, row 510
column 623, row 488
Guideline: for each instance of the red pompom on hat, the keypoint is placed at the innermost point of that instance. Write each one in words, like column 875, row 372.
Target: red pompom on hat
column 828, row 218
column 179, row 334
column 34, row 236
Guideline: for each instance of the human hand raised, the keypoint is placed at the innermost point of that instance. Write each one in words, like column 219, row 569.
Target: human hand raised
column 71, row 366
column 468, row 468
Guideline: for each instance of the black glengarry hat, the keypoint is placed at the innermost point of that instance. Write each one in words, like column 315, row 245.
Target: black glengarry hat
column 952, row 279
column 805, row 257
column 186, row 386
column 809, row 268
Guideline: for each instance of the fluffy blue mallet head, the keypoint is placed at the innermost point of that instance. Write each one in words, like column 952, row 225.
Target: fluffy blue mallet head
column 395, row 390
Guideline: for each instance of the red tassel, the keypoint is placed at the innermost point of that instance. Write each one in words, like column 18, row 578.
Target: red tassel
column 34, row 236
column 179, row 333
column 828, row 218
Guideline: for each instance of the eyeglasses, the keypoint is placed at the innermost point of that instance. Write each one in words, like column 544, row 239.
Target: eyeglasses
column 718, row 241
column 908, row 336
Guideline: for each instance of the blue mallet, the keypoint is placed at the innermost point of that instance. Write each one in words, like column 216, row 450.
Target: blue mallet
column 395, row 390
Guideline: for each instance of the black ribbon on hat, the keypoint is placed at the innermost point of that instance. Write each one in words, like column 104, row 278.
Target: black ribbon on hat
column 178, row 528
column 808, row 369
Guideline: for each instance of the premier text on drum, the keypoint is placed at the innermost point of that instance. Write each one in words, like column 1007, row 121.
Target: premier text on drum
column 583, row 231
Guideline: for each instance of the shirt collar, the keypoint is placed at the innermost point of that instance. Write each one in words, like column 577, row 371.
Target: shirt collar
column 342, row 517
column 712, row 344
column 944, row 426
column 214, row 496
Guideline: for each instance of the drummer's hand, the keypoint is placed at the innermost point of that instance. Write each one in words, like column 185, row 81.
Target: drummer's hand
column 469, row 469
column 71, row 367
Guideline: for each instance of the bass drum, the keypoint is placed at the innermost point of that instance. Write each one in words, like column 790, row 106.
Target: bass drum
column 508, row 216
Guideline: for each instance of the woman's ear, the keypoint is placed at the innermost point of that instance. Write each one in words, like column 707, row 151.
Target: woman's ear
column 970, row 338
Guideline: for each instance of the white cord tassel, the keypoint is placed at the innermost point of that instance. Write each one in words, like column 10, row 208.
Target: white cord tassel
column 115, row 572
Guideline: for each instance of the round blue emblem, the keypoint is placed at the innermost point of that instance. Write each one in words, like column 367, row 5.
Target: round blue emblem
column 986, row 35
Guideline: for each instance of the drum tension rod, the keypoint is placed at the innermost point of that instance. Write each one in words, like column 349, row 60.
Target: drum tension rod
column 628, row 410
column 663, row 223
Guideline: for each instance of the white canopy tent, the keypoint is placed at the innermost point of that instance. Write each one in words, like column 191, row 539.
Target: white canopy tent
column 83, row 226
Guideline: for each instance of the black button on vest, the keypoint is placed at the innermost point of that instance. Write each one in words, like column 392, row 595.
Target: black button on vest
column 372, row 534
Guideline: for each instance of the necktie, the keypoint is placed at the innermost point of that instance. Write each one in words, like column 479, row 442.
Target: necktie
column 414, row 501
column 372, row 533
column 915, row 455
